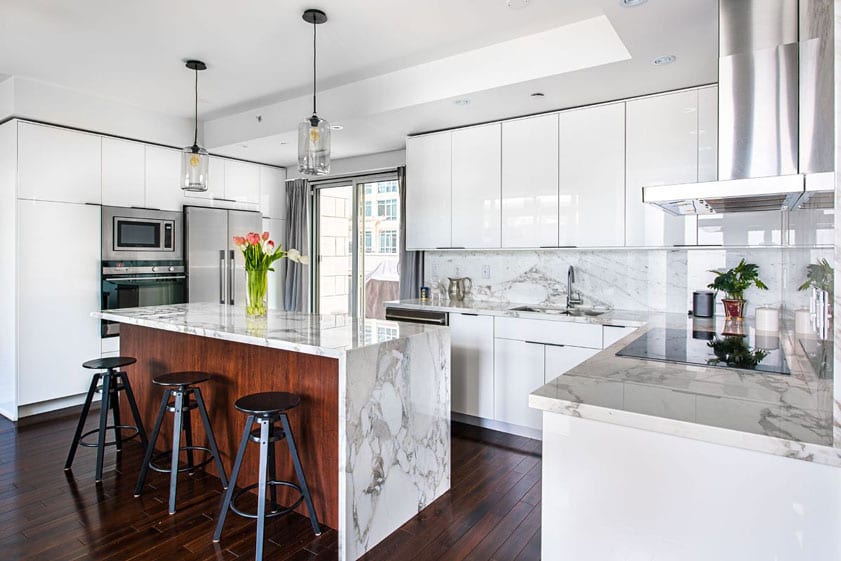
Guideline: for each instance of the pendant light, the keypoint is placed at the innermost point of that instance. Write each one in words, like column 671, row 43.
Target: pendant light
column 194, row 159
column 314, row 132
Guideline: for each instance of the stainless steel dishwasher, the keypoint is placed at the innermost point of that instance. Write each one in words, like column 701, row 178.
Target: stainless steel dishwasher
column 429, row 317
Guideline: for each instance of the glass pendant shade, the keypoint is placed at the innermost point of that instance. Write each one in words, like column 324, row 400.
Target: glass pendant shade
column 194, row 165
column 314, row 146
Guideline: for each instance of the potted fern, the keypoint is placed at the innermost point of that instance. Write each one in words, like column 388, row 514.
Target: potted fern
column 734, row 282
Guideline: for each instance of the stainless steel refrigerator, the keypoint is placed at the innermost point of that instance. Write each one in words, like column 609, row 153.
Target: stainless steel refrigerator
column 215, row 267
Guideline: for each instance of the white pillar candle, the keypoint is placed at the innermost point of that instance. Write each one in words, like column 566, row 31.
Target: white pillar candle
column 803, row 322
column 767, row 319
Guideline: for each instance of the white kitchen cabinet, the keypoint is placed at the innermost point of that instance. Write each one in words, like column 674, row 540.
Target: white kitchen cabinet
column 273, row 192
column 472, row 348
column 613, row 333
column 277, row 231
column 57, row 164
column 242, row 182
column 708, row 134
column 591, row 186
column 662, row 149
column 476, row 187
column 550, row 332
column 560, row 358
column 56, row 295
column 123, row 172
column 530, row 182
column 163, row 174
column 428, row 191
column 215, row 183
column 518, row 371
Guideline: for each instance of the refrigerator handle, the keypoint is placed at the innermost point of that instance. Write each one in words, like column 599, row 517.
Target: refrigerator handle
column 223, row 263
column 232, row 276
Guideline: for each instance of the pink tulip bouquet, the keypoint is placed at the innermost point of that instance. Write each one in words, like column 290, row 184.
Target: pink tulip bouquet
column 259, row 253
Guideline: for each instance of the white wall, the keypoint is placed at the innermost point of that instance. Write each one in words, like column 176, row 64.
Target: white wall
column 32, row 99
column 358, row 165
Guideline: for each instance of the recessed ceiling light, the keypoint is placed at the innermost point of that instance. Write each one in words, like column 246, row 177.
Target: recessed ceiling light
column 336, row 127
column 283, row 142
column 538, row 94
column 631, row 3
column 664, row 60
column 244, row 145
column 462, row 101
column 517, row 4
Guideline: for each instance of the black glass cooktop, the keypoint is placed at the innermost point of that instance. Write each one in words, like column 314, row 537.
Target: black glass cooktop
column 710, row 348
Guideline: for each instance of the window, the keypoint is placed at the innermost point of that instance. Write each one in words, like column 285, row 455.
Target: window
column 388, row 241
column 387, row 208
column 369, row 188
column 369, row 242
column 387, row 187
column 367, row 208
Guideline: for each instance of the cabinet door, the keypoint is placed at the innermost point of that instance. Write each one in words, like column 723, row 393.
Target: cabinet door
column 428, row 194
column 56, row 296
column 123, row 172
column 472, row 365
column 592, row 177
column 613, row 333
column 560, row 359
column 477, row 189
column 215, row 182
column 59, row 165
column 273, row 192
column 163, row 173
column 277, row 230
column 518, row 371
column 242, row 182
column 662, row 137
column 530, row 182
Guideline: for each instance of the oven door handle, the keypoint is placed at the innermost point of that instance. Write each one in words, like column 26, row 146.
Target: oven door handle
column 138, row 279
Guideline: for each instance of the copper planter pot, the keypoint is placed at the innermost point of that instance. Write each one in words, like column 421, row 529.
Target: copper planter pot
column 733, row 308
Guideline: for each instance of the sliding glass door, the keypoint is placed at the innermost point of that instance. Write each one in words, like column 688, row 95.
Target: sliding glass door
column 357, row 228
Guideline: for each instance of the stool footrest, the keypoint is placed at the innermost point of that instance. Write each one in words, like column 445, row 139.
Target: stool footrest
column 286, row 510
column 111, row 442
column 168, row 454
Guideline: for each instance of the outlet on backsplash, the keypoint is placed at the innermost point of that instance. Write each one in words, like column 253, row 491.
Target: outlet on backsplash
column 486, row 271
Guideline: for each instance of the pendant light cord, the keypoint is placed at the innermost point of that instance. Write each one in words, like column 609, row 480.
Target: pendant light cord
column 314, row 26
column 196, row 122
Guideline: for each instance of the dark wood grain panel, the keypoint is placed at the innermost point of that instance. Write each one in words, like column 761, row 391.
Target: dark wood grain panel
column 239, row 369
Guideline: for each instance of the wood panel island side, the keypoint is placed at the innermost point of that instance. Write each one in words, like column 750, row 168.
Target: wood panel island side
column 373, row 427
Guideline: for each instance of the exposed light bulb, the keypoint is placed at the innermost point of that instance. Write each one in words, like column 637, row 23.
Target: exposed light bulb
column 195, row 160
column 315, row 136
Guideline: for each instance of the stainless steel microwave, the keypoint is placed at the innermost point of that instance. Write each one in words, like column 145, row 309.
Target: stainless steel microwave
column 138, row 234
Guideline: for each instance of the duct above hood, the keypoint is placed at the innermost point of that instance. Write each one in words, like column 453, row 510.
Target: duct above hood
column 774, row 108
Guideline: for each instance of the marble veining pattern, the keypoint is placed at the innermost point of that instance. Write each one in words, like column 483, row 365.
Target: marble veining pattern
column 837, row 249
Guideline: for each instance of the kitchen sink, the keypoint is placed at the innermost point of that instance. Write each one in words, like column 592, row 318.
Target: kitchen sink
column 577, row 311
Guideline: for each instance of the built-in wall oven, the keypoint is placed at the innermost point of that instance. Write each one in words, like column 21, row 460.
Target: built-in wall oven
column 142, row 260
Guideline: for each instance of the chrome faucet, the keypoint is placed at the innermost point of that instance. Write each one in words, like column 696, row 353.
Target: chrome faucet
column 573, row 297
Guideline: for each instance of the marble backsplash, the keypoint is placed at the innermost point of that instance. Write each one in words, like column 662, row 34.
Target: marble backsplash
column 630, row 279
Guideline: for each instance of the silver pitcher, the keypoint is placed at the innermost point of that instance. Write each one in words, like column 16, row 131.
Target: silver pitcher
column 458, row 288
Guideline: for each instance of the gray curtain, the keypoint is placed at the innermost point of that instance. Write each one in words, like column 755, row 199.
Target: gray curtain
column 411, row 262
column 297, row 236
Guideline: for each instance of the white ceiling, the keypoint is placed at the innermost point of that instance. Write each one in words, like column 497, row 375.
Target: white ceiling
column 258, row 54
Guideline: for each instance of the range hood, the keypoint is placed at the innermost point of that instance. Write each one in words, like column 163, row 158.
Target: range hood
column 775, row 112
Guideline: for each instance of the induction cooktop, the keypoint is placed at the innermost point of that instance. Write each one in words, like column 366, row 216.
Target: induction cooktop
column 710, row 348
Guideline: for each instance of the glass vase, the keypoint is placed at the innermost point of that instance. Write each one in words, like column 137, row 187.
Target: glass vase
column 256, row 293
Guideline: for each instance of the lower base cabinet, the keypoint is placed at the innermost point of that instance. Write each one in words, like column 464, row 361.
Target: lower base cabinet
column 518, row 371
column 559, row 359
column 472, row 368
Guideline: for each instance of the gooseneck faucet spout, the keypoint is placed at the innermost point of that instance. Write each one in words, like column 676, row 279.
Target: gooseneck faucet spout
column 573, row 297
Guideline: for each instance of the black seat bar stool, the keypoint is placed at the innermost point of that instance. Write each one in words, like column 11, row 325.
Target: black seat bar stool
column 180, row 387
column 113, row 382
column 267, row 409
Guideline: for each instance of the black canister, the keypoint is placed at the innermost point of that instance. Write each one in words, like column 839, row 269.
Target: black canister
column 703, row 303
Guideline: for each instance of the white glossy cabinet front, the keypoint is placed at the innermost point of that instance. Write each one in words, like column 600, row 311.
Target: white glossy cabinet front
column 591, row 186
column 57, row 164
column 530, row 182
column 662, row 149
column 560, row 359
column 56, row 297
column 472, row 350
column 123, row 172
column 518, row 371
column 163, row 172
column 428, row 191
column 476, row 186
column 273, row 192
column 242, row 182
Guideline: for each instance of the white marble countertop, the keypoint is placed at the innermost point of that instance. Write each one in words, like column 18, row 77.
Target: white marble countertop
column 324, row 335
column 788, row 415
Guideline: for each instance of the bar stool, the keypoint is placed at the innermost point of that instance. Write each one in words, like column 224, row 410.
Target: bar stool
column 267, row 409
column 113, row 382
column 180, row 387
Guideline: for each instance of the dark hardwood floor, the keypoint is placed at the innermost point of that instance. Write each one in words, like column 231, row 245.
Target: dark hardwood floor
column 491, row 512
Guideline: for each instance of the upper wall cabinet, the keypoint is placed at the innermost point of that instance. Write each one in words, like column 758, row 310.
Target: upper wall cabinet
column 428, row 191
column 273, row 192
column 242, row 182
column 530, row 182
column 591, row 186
column 163, row 178
column 57, row 164
column 476, row 186
column 123, row 172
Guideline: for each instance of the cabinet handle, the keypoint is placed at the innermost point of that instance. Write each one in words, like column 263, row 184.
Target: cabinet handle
column 468, row 314
column 546, row 344
column 619, row 326
column 558, row 247
column 451, row 247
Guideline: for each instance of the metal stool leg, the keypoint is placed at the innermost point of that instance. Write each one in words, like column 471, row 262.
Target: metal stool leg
column 188, row 433
column 178, row 418
column 115, row 410
column 150, row 447
column 299, row 472
column 135, row 412
column 261, row 489
column 232, row 483
column 272, row 469
column 103, row 422
column 210, row 438
column 84, row 417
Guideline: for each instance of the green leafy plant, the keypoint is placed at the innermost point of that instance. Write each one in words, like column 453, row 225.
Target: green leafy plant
column 734, row 351
column 819, row 275
column 733, row 282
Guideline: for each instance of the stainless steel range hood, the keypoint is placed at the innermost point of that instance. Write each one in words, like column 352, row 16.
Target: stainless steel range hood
column 775, row 112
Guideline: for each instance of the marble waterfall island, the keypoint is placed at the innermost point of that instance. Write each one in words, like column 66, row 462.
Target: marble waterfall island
column 373, row 428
